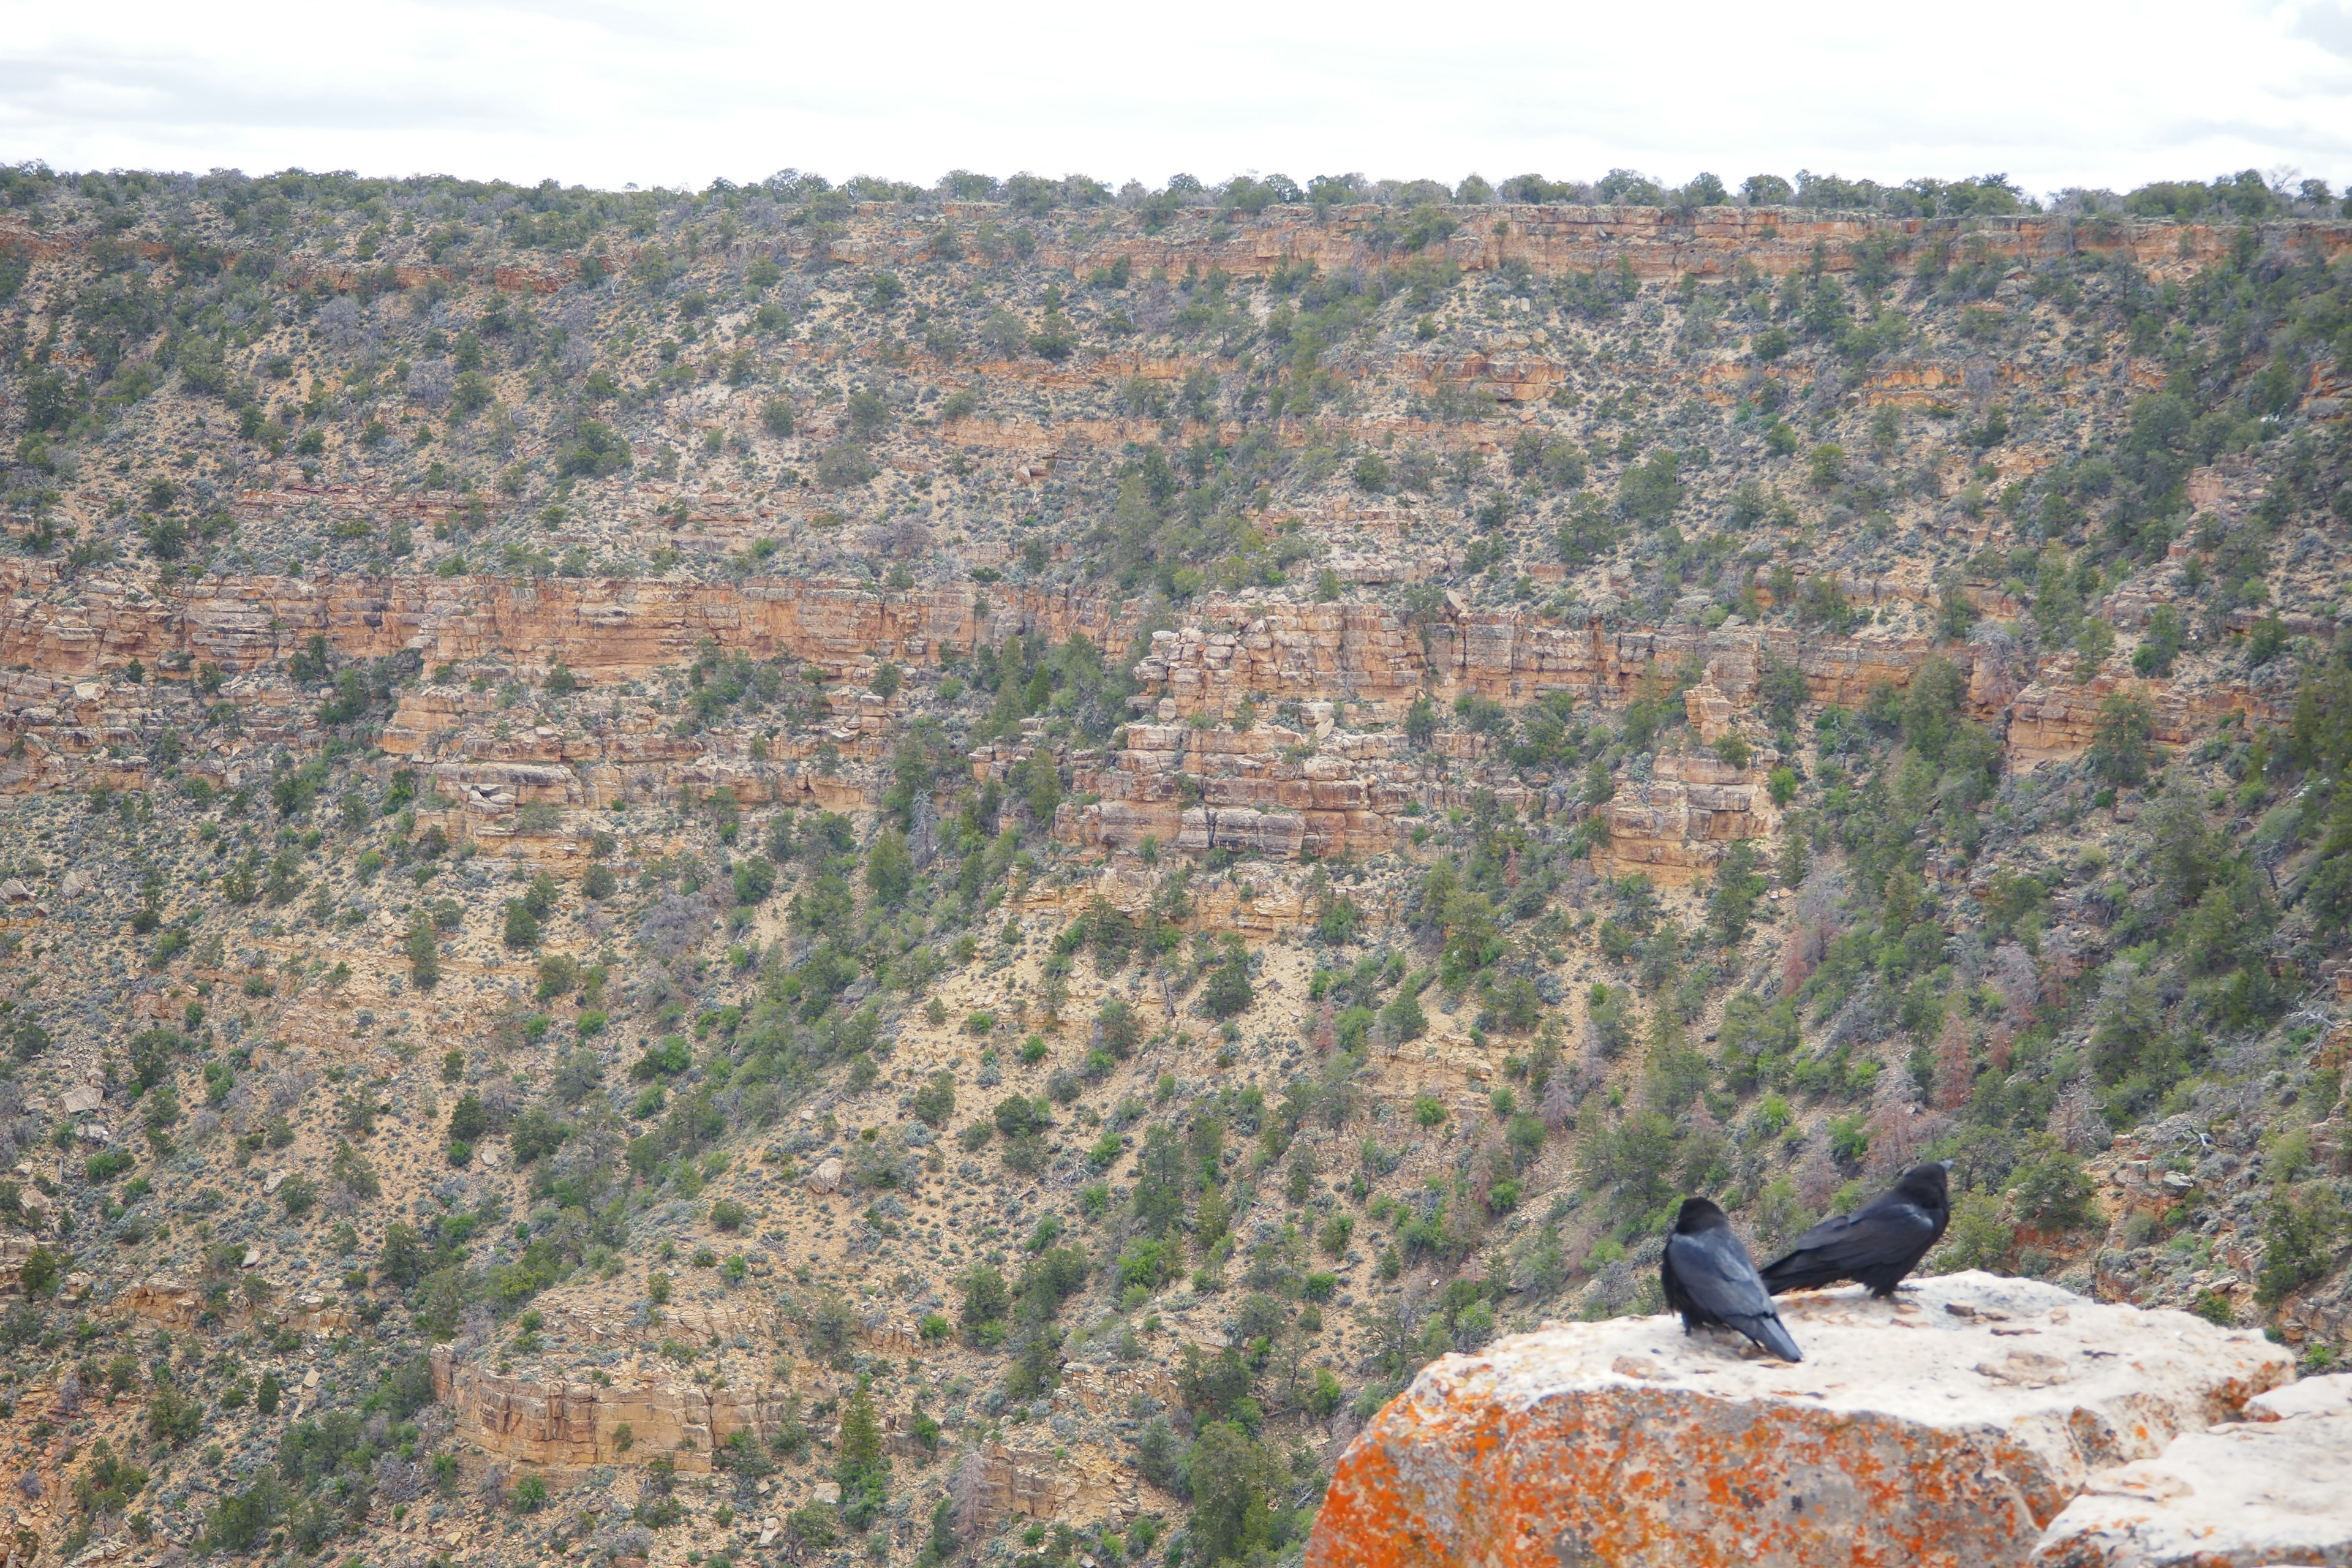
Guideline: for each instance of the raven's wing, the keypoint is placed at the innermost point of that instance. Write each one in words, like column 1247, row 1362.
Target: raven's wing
column 1837, row 1248
column 1713, row 1270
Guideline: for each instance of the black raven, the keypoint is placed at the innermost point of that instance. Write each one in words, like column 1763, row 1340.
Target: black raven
column 1876, row 1245
column 1710, row 1280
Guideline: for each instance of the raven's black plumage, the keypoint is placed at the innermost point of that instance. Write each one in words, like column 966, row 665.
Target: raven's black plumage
column 1710, row 1280
column 1876, row 1245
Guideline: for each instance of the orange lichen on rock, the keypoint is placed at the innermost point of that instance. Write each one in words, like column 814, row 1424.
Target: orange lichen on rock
column 1947, row 1430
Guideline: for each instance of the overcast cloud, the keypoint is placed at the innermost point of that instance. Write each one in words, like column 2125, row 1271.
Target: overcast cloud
column 2051, row 93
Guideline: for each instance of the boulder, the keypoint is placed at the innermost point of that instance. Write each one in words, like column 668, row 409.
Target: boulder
column 826, row 1177
column 2274, row 1488
column 1947, row 1427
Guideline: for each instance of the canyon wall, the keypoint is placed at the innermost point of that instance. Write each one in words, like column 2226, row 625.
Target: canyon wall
column 1656, row 243
column 1265, row 724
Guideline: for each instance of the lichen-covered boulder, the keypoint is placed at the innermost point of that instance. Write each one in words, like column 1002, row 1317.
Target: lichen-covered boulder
column 1947, row 1428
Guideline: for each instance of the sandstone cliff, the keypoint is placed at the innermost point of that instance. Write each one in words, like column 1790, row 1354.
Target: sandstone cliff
column 577, row 1422
column 1192, row 782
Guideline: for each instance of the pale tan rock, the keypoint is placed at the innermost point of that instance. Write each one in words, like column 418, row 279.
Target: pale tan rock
column 14, row 1250
column 2239, row 1496
column 1084, row 1484
column 2329, row 1396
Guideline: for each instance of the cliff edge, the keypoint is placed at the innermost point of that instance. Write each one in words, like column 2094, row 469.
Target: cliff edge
column 1949, row 1427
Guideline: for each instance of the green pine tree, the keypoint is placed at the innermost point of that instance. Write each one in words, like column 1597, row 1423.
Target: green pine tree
column 860, row 1468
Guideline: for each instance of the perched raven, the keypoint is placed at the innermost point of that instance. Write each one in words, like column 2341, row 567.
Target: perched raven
column 1710, row 1280
column 1876, row 1245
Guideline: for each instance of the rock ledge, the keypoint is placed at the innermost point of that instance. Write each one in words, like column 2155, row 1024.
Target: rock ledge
column 2273, row 1489
column 1949, row 1427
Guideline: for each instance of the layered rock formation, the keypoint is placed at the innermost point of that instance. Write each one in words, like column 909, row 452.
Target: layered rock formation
column 1267, row 788
column 1655, row 243
column 563, row 1421
column 1949, row 1427
column 1673, row 830
column 1332, row 779
column 1089, row 1485
column 70, row 629
column 1376, row 660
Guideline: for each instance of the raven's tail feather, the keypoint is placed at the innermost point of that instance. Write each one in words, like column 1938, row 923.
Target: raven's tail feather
column 1773, row 1335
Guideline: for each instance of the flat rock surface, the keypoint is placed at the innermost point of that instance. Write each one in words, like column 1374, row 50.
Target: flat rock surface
column 1949, row 1427
column 2240, row 1496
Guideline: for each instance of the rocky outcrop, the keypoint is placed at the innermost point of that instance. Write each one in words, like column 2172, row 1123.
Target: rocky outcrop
column 1268, row 789
column 602, row 629
column 2273, row 1489
column 1377, row 661
column 1550, row 239
column 2049, row 722
column 1675, row 828
column 1949, row 1427
column 1267, row 726
column 1084, row 1486
column 1268, row 900
column 15, row 1248
column 558, row 1422
column 164, row 1301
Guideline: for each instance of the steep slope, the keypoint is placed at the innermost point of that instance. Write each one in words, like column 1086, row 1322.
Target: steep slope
column 695, row 872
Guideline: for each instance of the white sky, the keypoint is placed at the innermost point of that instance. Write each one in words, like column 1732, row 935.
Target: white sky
column 2052, row 93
